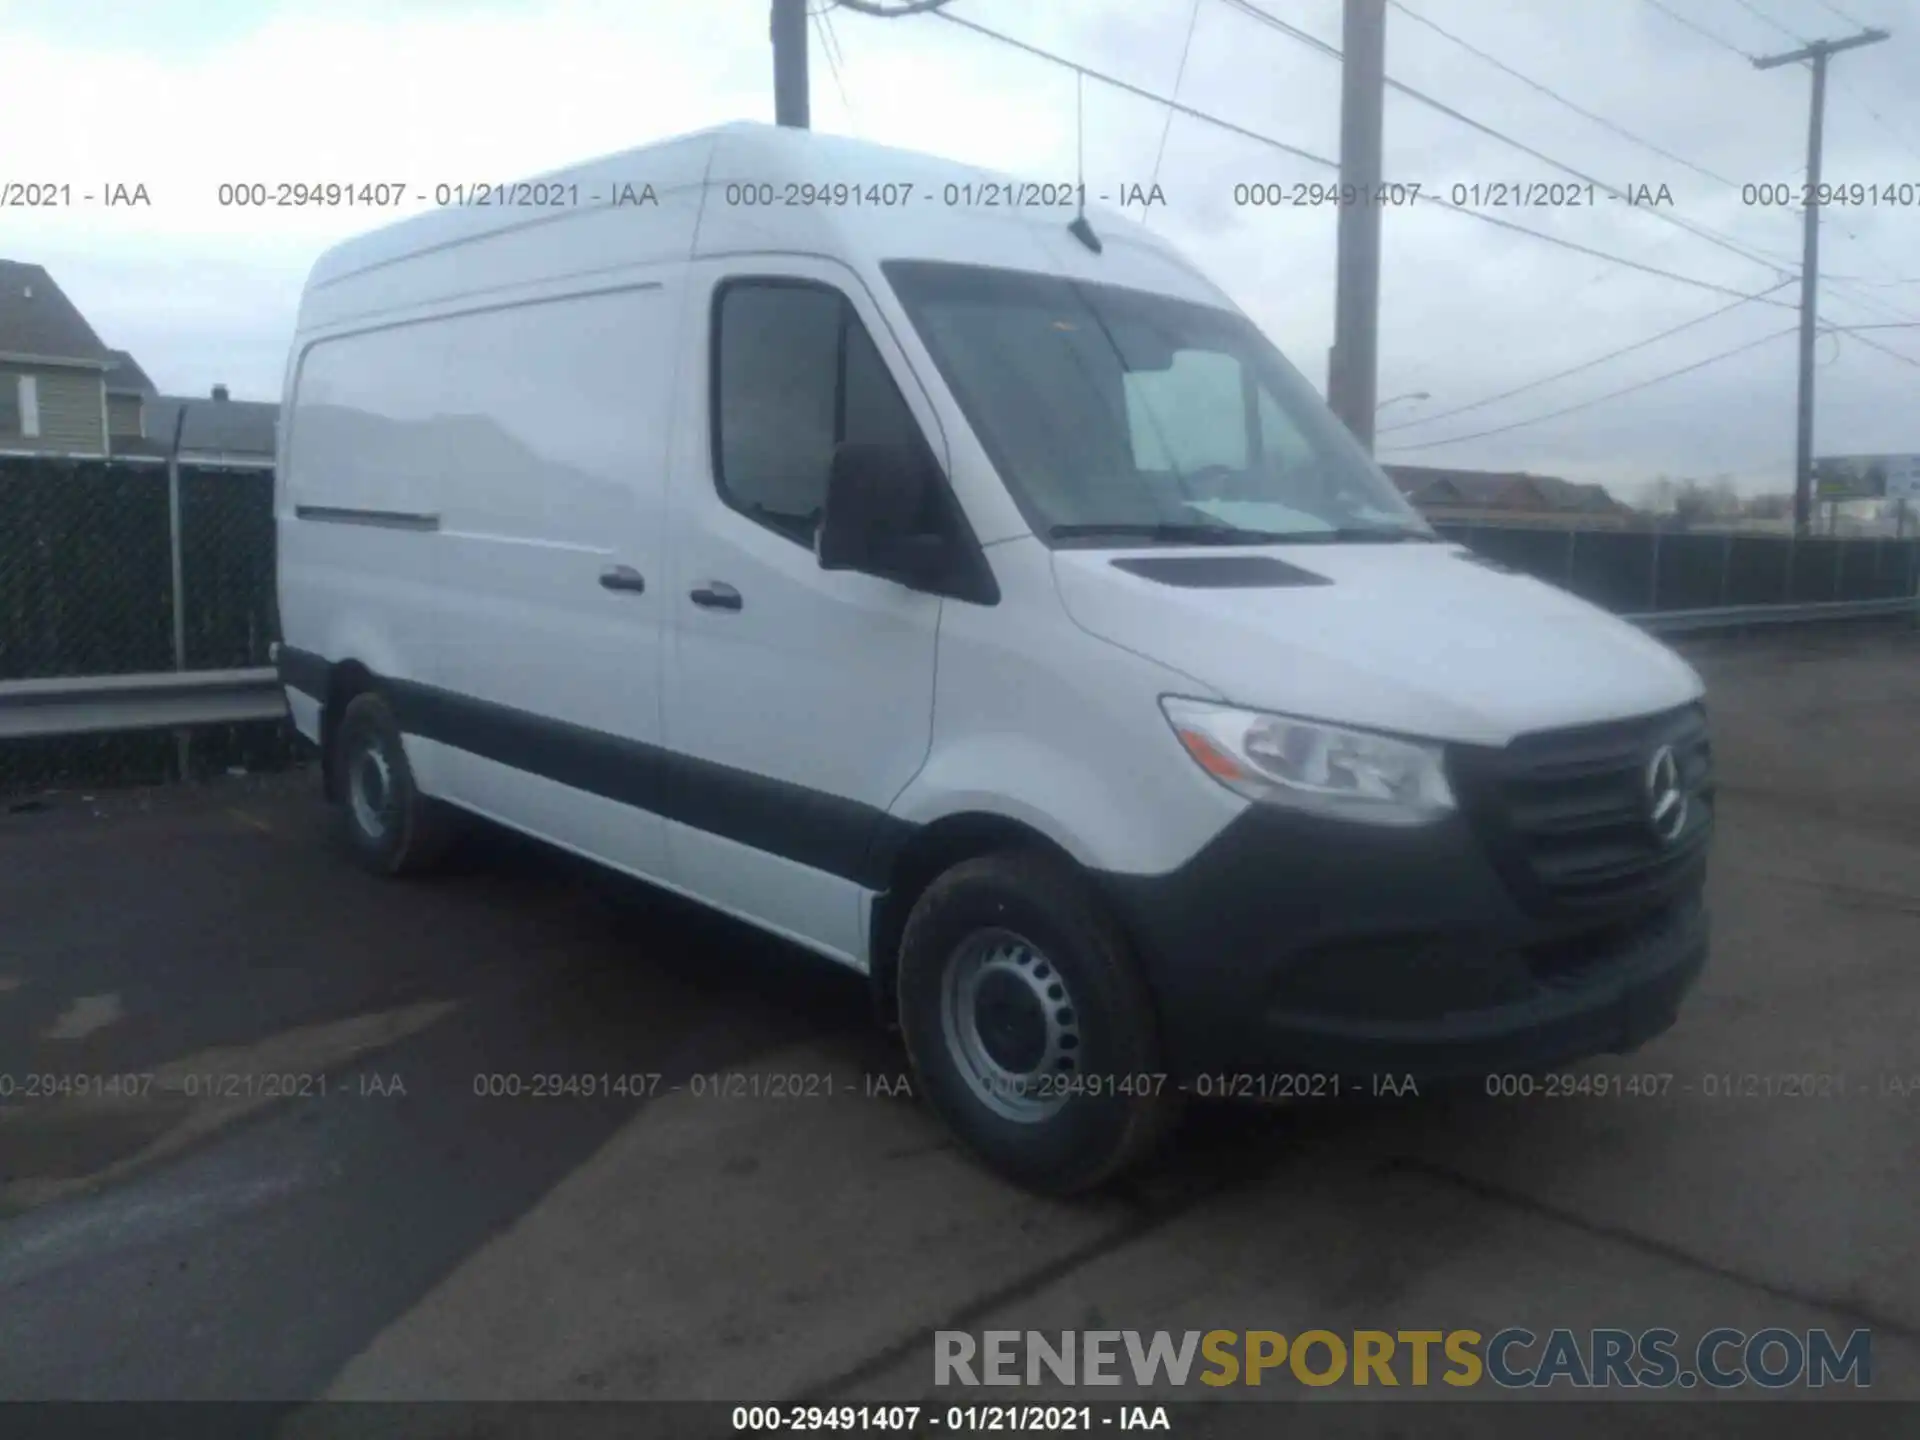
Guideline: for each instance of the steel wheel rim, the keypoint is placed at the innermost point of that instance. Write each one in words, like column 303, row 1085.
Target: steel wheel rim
column 370, row 790
column 1010, row 1025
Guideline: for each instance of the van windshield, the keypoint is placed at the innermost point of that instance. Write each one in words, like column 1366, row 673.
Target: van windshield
column 1115, row 415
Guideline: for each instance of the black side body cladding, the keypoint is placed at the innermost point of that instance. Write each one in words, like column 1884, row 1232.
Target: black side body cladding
column 1289, row 943
column 810, row 827
column 302, row 670
column 385, row 519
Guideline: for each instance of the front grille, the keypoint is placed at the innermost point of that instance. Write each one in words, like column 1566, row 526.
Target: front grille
column 1566, row 814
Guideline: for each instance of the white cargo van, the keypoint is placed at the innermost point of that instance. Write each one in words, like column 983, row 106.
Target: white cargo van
column 869, row 549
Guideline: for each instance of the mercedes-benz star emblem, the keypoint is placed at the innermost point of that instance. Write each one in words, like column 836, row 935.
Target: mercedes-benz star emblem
column 1666, row 800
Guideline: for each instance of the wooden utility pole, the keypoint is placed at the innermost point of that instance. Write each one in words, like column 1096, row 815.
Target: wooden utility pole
column 789, row 33
column 1353, row 369
column 1818, row 52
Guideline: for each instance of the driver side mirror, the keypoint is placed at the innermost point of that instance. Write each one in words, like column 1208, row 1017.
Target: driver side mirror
column 877, row 496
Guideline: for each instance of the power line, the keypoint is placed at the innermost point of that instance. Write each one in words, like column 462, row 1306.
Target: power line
column 1549, row 91
column 1281, row 145
column 1876, row 345
column 1835, row 10
column 1700, row 30
column 1575, row 246
column 825, row 15
column 1884, row 123
column 1585, row 364
column 1705, row 232
column 1186, row 45
column 1712, row 237
column 1873, row 304
column 1175, row 106
column 1133, row 89
column 896, row 11
column 1599, row 399
column 1295, row 150
column 1766, row 19
column 1759, row 255
column 821, row 25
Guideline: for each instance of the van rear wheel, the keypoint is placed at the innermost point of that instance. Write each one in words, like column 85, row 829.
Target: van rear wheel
column 1028, row 1025
column 392, row 828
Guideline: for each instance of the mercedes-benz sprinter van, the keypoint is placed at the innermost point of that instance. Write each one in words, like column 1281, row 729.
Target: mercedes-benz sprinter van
column 964, row 589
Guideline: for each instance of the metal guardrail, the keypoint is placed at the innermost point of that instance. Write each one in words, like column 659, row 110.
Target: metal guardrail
column 1738, row 617
column 97, row 704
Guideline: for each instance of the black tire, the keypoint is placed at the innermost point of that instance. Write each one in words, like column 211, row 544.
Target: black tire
column 390, row 826
column 1117, row 1106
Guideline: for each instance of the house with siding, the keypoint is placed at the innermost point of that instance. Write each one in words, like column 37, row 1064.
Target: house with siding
column 129, row 391
column 64, row 392
column 53, row 369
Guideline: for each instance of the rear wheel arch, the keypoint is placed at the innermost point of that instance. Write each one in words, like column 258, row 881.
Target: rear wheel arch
column 346, row 679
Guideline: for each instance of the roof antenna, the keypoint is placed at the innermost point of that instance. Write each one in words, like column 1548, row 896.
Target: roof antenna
column 1080, row 229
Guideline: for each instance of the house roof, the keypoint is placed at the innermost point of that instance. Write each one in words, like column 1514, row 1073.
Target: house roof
column 126, row 377
column 1497, row 489
column 232, row 427
column 36, row 318
column 1572, row 495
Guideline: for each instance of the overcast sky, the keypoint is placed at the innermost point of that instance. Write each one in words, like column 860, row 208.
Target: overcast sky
column 181, row 95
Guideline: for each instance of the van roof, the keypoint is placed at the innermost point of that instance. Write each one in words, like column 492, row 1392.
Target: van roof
column 691, row 196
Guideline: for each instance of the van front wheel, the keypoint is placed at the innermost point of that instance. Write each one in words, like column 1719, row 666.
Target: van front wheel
column 1028, row 1025
column 392, row 827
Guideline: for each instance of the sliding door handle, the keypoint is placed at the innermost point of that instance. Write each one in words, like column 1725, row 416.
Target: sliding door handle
column 716, row 595
column 622, row 577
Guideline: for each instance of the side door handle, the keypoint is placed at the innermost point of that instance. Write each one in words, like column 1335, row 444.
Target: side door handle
column 716, row 595
column 622, row 577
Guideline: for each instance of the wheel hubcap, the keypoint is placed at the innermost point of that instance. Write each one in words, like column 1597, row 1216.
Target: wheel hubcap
column 1010, row 1025
column 370, row 789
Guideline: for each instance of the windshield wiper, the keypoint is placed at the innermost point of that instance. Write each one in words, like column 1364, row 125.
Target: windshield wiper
column 1173, row 532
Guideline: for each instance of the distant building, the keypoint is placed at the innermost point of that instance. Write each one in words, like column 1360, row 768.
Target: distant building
column 219, row 430
column 128, row 391
column 1464, row 497
column 53, row 369
column 63, row 392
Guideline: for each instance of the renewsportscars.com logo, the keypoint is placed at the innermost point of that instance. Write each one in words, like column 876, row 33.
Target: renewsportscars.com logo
column 1513, row 1358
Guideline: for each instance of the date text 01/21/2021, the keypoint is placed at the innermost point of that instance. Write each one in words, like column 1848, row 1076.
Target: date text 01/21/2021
column 920, row 1419
column 391, row 194
column 1478, row 195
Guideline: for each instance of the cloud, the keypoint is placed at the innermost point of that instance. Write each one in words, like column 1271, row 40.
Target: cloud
column 432, row 91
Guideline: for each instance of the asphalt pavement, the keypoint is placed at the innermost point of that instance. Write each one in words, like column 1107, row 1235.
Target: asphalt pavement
column 256, row 1142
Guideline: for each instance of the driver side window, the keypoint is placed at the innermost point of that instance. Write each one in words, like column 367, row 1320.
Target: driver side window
column 1188, row 416
column 795, row 374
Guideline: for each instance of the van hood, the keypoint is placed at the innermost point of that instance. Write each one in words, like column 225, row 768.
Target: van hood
column 1413, row 638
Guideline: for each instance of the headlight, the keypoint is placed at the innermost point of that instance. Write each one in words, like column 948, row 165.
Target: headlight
column 1310, row 766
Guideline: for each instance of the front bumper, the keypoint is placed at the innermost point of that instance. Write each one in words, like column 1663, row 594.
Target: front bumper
column 1296, row 944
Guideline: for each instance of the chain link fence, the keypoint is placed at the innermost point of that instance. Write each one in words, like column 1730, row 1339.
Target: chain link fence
column 1638, row 572
column 86, row 589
